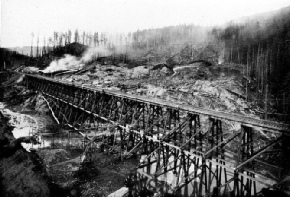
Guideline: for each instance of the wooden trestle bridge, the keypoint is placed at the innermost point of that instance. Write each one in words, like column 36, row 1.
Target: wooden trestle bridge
column 212, row 152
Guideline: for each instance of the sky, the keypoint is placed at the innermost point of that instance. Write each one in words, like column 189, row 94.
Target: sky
column 19, row 18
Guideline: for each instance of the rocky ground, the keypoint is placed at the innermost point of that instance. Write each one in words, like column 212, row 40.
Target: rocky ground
column 214, row 87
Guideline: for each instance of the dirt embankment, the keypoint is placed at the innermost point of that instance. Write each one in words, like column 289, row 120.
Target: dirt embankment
column 21, row 173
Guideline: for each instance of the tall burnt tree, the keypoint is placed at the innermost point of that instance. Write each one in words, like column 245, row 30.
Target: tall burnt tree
column 76, row 35
column 69, row 36
column 96, row 39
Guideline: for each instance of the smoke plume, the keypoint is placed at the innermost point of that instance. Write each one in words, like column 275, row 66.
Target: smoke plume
column 69, row 62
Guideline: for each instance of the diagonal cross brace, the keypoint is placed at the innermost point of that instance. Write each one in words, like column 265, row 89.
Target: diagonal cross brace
column 230, row 138
column 175, row 128
column 261, row 151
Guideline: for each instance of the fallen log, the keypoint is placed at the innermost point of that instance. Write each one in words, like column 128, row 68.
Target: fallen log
column 236, row 94
column 120, row 193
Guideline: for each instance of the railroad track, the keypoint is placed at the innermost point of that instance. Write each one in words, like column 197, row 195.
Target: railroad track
column 264, row 124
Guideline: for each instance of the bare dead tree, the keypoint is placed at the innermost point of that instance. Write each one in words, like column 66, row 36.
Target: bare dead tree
column 76, row 35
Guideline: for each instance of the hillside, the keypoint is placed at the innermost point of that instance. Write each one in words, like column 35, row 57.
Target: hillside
column 262, row 43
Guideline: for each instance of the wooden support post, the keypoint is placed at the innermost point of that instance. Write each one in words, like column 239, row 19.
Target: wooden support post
column 158, row 156
column 201, row 182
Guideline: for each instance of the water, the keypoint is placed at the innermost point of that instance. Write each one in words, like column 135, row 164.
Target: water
column 26, row 125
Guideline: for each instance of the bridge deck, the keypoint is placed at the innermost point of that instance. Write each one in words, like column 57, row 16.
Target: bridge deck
column 243, row 119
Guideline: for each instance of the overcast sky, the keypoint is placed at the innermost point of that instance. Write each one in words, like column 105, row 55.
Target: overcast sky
column 21, row 17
